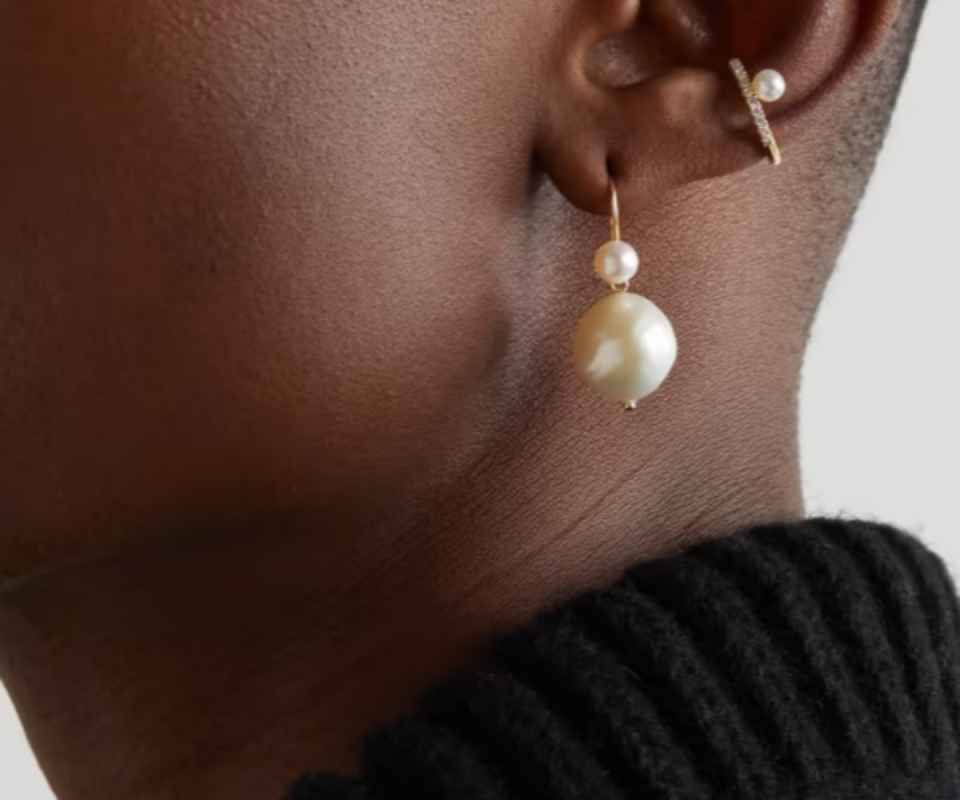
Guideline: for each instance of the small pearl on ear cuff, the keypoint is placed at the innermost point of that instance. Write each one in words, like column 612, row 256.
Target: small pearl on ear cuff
column 770, row 85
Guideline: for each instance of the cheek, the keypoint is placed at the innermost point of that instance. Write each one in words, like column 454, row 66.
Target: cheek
column 240, row 285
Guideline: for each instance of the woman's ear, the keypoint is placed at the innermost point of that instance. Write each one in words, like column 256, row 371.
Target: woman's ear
column 644, row 93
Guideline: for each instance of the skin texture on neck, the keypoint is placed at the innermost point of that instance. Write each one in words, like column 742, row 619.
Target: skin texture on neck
column 204, row 674
column 226, row 668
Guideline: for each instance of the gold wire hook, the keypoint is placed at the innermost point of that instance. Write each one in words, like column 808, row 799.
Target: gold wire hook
column 614, row 212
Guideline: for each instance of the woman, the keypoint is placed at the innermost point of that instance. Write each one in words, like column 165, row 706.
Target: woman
column 292, row 432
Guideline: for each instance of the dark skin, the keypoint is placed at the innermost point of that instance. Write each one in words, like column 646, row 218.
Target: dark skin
column 288, row 421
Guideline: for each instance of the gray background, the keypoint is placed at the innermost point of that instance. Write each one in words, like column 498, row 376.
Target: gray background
column 881, row 399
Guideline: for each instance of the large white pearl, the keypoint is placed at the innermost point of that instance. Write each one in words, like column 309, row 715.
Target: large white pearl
column 625, row 347
column 617, row 263
column 769, row 85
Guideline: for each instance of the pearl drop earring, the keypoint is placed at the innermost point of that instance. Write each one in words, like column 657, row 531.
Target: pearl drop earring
column 767, row 87
column 624, row 345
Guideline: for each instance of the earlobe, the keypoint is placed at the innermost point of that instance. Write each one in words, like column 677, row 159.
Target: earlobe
column 683, row 119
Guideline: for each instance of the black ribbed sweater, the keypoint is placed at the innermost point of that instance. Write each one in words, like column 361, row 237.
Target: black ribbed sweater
column 816, row 660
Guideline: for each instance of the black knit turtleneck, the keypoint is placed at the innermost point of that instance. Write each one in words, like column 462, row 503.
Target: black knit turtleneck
column 816, row 660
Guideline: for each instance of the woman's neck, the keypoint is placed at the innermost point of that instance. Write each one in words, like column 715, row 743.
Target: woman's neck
column 223, row 666
column 225, row 669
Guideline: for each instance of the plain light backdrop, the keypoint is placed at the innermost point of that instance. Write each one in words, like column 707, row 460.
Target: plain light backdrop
column 881, row 399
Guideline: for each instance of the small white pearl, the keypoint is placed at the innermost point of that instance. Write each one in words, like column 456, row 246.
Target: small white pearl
column 769, row 85
column 617, row 263
column 625, row 347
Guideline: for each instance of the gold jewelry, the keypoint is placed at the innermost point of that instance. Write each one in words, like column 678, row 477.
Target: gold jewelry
column 624, row 346
column 768, row 86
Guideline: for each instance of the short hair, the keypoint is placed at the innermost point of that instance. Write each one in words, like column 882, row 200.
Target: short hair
column 856, row 144
column 864, row 140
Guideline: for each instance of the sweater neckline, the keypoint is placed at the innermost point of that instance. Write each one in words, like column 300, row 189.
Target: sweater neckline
column 814, row 659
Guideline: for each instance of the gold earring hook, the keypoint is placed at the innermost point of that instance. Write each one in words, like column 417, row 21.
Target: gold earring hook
column 614, row 212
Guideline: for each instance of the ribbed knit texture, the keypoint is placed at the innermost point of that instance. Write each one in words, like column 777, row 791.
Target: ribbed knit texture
column 816, row 660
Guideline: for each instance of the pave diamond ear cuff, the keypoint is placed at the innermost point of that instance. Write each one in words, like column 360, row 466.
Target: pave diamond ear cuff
column 767, row 87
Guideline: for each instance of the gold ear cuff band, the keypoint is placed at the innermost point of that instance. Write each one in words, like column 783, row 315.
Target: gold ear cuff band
column 768, row 85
